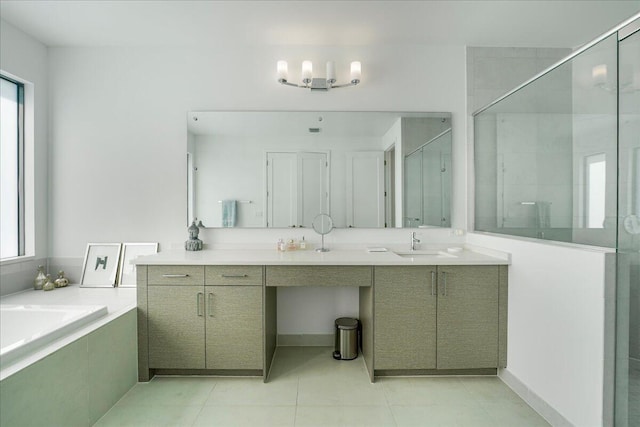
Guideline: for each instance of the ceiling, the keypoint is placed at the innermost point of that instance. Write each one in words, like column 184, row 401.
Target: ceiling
column 516, row 23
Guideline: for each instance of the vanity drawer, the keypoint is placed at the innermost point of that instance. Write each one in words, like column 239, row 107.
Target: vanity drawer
column 221, row 275
column 191, row 275
column 316, row 275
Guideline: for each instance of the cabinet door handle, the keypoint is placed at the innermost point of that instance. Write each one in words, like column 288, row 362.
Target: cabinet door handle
column 444, row 283
column 228, row 276
column 175, row 276
column 200, row 308
column 210, row 307
column 433, row 283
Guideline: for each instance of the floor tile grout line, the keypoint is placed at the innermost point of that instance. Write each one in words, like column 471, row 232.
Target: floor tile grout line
column 195, row 420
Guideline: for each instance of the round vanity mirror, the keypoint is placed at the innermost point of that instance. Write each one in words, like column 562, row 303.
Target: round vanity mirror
column 322, row 224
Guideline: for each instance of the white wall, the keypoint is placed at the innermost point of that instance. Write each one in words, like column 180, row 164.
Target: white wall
column 556, row 323
column 119, row 132
column 26, row 59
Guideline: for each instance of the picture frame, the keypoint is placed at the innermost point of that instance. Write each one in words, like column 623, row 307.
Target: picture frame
column 130, row 251
column 100, row 267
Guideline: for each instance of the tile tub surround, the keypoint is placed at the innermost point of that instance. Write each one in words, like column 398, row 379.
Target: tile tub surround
column 79, row 377
column 26, row 328
column 310, row 388
column 119, row 301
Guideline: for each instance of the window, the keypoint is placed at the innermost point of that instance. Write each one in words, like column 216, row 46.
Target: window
column 596, row 183
column 12, row 217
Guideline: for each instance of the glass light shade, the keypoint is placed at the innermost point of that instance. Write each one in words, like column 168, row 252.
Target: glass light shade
column 307, row 70
column 356, row 71
column 331, row 71
column 283, row 71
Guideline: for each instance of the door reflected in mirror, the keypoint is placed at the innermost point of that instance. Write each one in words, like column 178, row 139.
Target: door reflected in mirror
column 282, row 169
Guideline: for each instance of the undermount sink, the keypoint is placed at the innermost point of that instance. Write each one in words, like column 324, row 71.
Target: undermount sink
column 424, row 254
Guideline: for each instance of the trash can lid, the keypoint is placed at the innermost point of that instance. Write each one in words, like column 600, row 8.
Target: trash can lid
column 347, row 323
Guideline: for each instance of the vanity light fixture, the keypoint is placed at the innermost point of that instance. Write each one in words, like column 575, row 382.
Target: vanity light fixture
column 317, row 83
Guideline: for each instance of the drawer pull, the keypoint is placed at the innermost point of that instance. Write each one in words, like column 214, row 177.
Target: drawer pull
column 234, row 276
column 175, row 276
column 444, row 279
column 199, row 304
column 433, row 283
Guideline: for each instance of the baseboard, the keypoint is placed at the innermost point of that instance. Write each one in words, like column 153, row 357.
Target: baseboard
column 538, row 404
column 433, row 372
column 306, row 340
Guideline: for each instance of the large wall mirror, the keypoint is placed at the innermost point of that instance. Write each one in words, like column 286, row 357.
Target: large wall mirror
column 282, row 169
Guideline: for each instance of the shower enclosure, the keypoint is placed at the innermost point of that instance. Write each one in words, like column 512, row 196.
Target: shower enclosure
column 558, row 158
column 427, row 180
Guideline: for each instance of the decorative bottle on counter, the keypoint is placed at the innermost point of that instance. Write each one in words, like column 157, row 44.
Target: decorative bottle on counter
column 49, row 285
column 291, row 245
column 61, row 281
column 281, row 247
column 41, row 279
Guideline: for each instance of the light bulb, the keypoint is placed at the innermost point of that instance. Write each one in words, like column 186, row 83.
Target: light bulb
column 307, row 71
column 283, row 71
column 331, row 72
column 356, row 72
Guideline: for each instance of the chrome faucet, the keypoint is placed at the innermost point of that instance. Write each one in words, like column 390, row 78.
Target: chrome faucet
column 414, row 240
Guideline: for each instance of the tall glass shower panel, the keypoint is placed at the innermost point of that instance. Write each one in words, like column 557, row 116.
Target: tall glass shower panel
column 627, row 400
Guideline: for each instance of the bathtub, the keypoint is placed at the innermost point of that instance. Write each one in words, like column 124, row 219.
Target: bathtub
column 27, row 328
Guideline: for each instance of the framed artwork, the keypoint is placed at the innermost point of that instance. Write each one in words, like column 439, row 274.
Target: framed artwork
column 131, row 251
column 100, row 266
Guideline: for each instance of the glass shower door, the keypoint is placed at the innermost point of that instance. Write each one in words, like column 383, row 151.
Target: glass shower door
column 627, row 390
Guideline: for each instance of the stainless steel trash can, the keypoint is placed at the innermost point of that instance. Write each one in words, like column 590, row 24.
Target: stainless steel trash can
column 346, row 346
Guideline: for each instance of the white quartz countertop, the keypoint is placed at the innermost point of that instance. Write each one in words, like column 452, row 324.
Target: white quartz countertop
column 425, row 256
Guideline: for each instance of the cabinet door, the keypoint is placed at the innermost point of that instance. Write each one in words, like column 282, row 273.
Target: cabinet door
column 234, row 327
column 176, row 327
column 405, row 317
column 468, row 317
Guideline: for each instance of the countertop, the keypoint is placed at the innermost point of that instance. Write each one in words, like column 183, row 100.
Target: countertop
column 469, row 255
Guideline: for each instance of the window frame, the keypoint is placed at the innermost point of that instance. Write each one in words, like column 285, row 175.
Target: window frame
column 21, row 167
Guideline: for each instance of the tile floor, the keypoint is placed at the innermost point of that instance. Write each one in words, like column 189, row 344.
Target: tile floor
column 308, row 388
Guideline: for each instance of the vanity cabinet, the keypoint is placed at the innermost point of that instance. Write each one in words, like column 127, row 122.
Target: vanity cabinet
column 233, row 317
column 405, row 318
column 439, row 317
column 176, row 327
column 195, row 325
